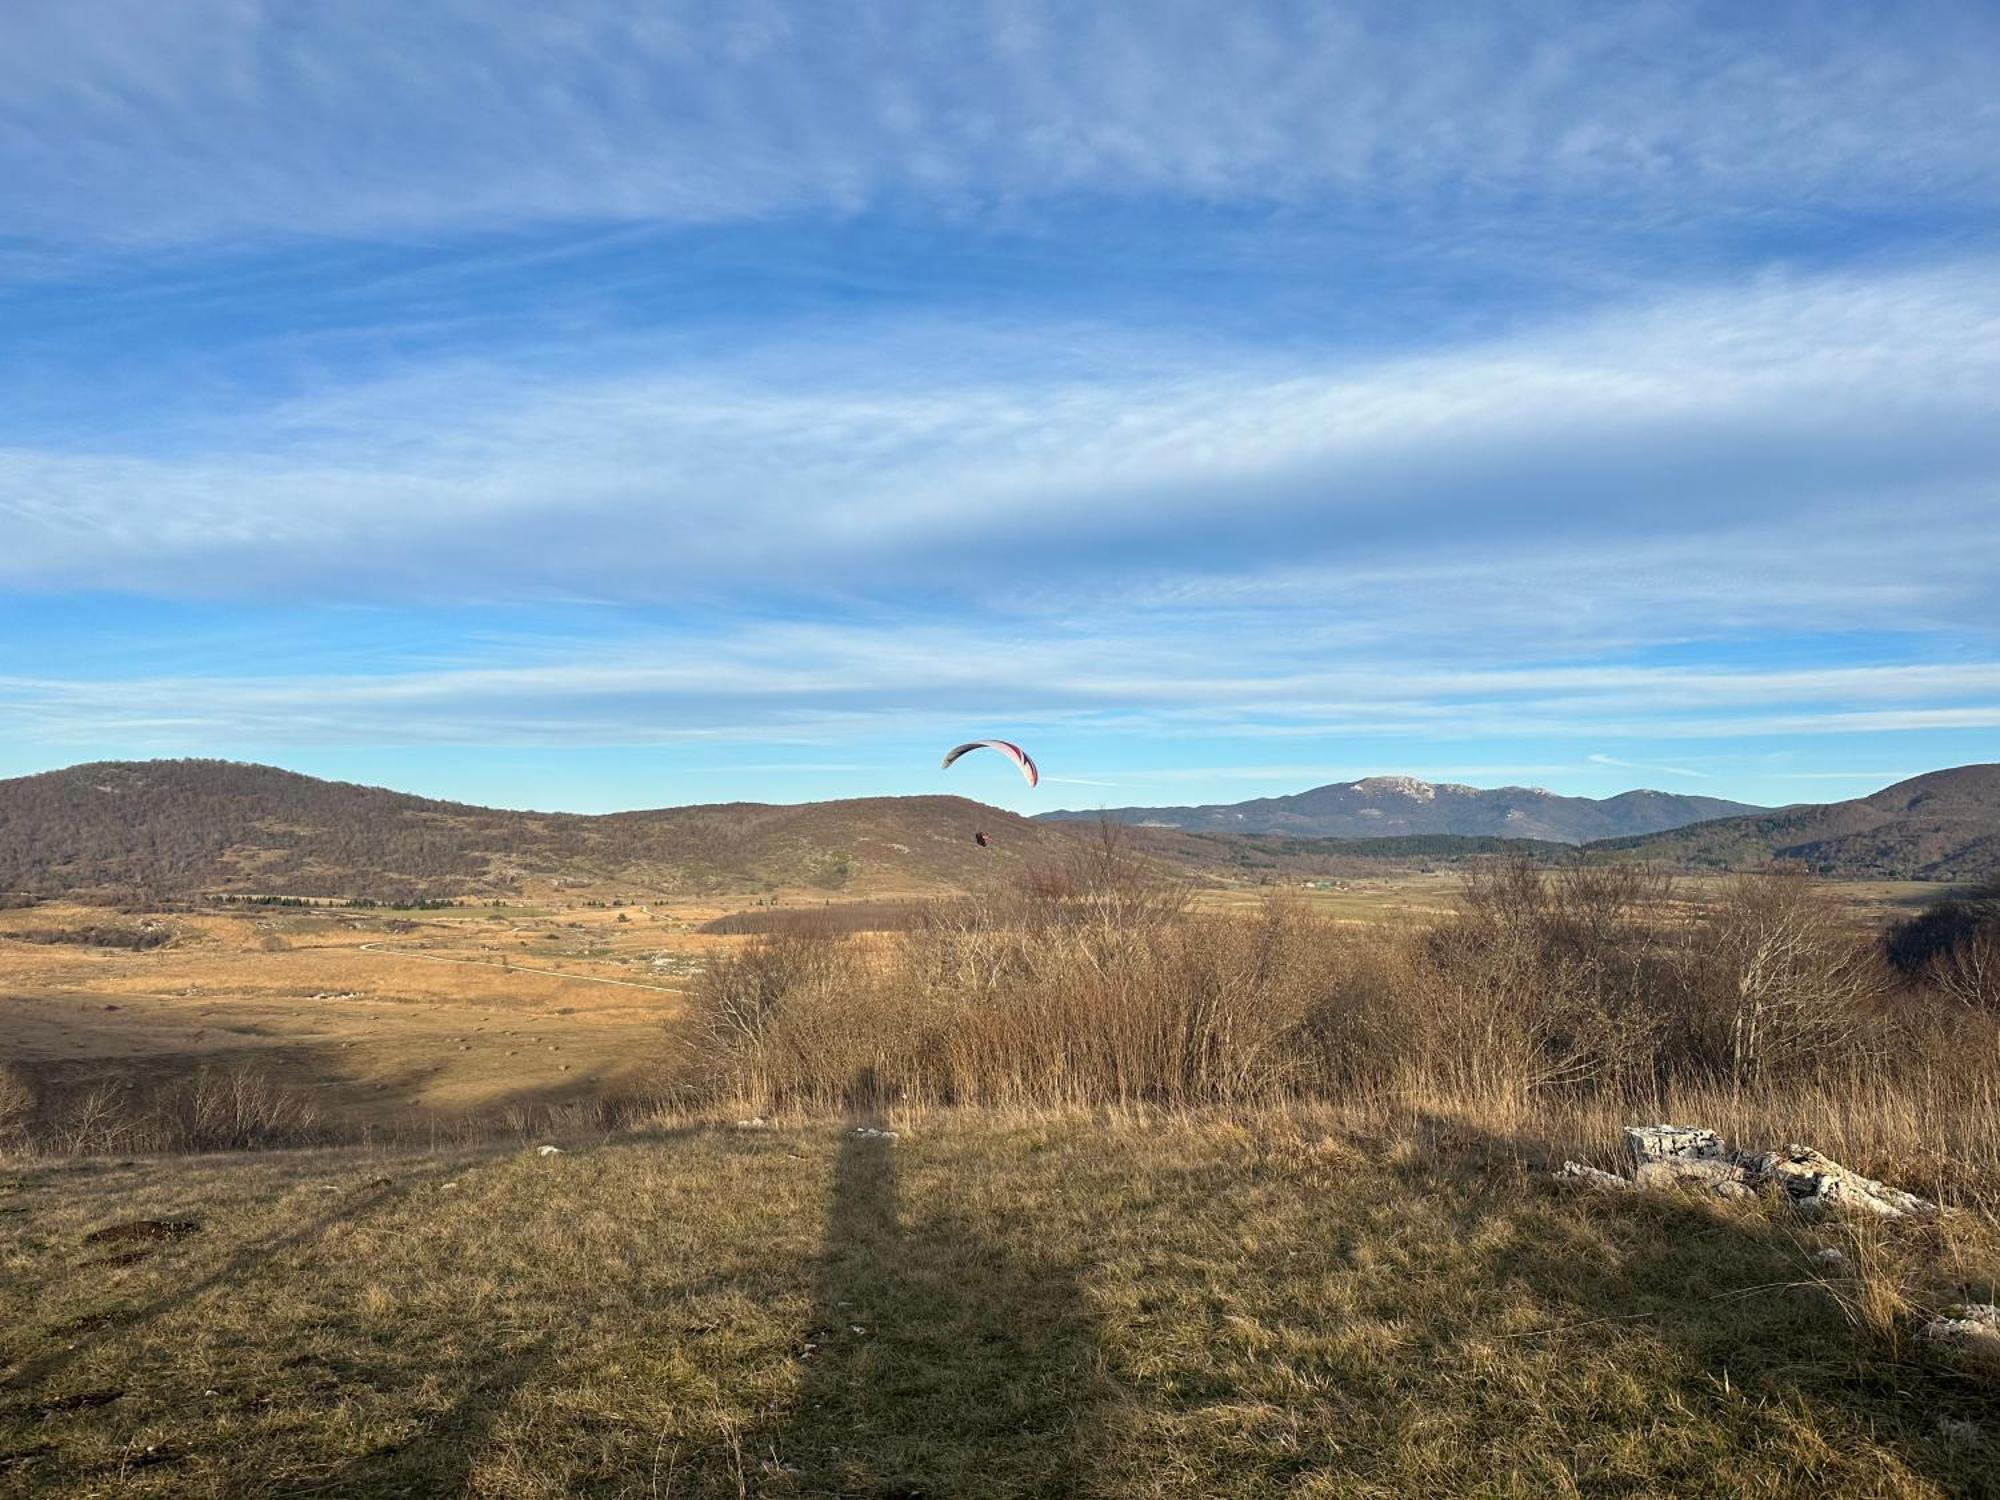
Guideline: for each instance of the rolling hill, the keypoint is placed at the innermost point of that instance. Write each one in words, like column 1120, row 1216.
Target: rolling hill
column 1395, row 806
column 1940, row 826
column 180, row 828
column 186, row 826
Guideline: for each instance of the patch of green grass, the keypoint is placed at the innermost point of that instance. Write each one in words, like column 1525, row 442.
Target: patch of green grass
column 981, row 1308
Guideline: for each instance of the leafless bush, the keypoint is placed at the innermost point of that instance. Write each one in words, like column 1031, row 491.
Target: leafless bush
column 17, row 1107
column 1584, row 983
column 1099, row 876
column 1548, row 979
column 98, row 1121
column 1969, row 971
column 229, row 1110
column 215, row 1110
column 1777, row 980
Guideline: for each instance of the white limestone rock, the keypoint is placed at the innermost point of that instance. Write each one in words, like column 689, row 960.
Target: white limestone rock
column 1575, row 1174
column 1973, row 1328
column 1818, row 1185
column 1650, row 1143
column 1722, row 1179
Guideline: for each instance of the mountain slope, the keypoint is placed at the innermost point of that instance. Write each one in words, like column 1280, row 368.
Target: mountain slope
column 1394, row 806
column 179, row 827
column 1940, row 826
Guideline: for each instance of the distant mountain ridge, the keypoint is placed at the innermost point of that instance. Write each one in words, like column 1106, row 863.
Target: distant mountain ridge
column 1944, row 825
column 182, row 828
column 1398, row 806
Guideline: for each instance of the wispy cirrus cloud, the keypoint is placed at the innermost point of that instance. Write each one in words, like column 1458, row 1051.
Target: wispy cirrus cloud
column 128, row 121
column 1371, row 387
column 1692, row 434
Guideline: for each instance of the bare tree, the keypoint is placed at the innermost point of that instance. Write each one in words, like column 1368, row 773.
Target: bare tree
column 1780, row 976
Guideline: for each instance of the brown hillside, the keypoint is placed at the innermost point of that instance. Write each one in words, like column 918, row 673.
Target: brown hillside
column 1940, row 826
column 182, row 827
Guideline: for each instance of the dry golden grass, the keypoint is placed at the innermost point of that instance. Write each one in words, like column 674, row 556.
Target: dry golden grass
column 1311, row 1250
column 1126, row 1305
column 381, row 1019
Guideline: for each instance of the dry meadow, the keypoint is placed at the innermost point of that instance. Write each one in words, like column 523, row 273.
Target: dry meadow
column 1179, row 1198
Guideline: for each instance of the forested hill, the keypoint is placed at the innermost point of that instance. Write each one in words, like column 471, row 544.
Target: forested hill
column 180, row 827
column 1941, row 826
column 1403, row 806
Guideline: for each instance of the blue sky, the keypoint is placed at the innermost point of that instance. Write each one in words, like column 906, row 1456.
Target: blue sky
column 601, row 405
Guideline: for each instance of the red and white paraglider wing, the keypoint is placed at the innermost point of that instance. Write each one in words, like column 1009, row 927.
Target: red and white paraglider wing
column 1022, row 761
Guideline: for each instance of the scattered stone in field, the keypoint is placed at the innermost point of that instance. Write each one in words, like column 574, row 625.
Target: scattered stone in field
column 1708, row 1174
column 1576, row 1174
column 870, row 1133
column 445, row 1187
column 1650, row 1143
column 1818, row 1185
column 760, row 1123
column 1973, row 1327
column 548, row 1151
column 142, row 1229
column 1832, row 1255
column 1675, row 1156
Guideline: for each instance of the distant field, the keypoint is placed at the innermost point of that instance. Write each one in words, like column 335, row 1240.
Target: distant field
column 400, row 1017
column 824, row 916
column 382, row 1017
column 1092, row 1307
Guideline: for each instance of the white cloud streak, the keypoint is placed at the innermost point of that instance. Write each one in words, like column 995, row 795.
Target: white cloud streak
column 1786, row 452
column 126, row 120
column 832, row 683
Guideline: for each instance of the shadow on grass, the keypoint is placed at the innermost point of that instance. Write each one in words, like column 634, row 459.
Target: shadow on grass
column 1724, row 1310
column 244, row 1262
column 939, row 1361
column 441, row 1459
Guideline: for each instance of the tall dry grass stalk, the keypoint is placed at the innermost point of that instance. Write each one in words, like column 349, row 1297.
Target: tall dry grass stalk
column 1555, row 1007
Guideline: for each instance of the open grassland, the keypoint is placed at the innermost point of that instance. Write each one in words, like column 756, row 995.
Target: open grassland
column 1187, row 1198
column 1196, row 1305
column 380, row 1018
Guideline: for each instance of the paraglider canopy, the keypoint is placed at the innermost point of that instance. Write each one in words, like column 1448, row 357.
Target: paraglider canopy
column 1012, row 751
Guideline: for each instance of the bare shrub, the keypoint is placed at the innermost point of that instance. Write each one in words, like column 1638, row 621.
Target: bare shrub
column 1548, row 979
column 214, row 1110
column 781, row 1019
column 1777, row 979
column 1099, row 875
column 1584, row 987
column 229, row 1110
column 18, row 1100
column 99, row 1121
column 1969, row 971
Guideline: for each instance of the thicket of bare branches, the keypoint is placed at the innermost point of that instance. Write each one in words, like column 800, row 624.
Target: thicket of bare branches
column 1096, row 984
column 214, row 1110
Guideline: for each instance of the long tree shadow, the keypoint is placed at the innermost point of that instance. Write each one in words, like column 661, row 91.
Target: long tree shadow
column 939, row 1360
column 441, row 1459
column 243, row 1262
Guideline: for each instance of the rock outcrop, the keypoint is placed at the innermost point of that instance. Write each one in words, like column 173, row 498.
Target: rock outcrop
column 1690, row 1157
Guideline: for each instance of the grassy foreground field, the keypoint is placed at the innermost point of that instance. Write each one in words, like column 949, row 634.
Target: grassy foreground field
column 1102, row 1306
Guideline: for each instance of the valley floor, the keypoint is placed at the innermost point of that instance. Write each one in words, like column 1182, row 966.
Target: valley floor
column 978, row 1307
